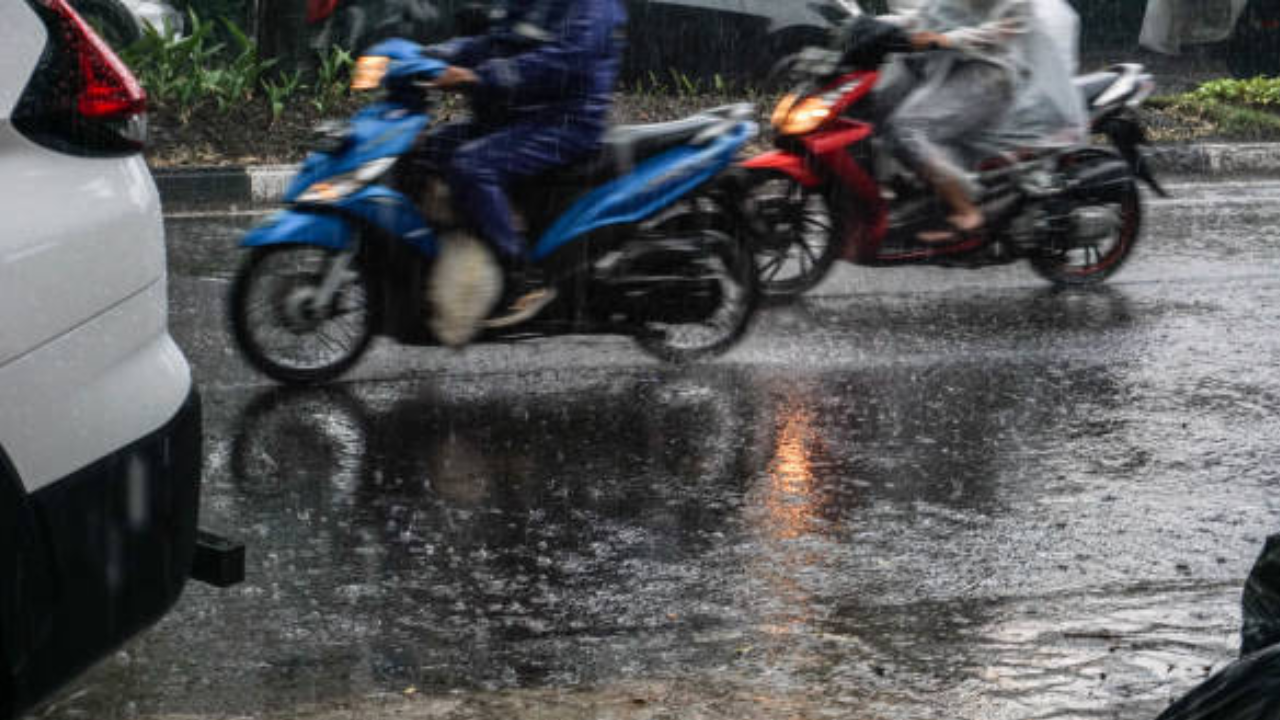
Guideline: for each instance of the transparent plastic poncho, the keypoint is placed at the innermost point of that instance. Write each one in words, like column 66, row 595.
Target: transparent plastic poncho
column 1048, row 110
column 1171, row 24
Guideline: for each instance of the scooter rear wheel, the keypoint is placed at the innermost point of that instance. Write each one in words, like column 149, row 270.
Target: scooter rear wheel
column 729, row 258
column 277, row 325
column 1093, row 263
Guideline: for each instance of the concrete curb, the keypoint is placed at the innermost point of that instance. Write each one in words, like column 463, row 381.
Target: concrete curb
column 264, row 185
column 222, row 187
column 1216, row 159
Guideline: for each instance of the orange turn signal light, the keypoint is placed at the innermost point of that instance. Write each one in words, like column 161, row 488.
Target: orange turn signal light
column 370, row 69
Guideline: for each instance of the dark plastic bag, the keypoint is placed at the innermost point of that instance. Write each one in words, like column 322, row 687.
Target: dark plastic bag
column 1262, row 601
column 1249, row 688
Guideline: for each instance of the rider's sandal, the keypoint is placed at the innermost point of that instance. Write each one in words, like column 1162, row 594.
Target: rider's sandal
column 524, row 308
column 949, row 234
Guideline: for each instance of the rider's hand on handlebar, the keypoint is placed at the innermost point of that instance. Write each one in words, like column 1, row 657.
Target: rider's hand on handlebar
column 454, row 78
column 929, row 41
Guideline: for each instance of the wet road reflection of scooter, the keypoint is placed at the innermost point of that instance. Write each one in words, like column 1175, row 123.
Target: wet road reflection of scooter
column 489, row 531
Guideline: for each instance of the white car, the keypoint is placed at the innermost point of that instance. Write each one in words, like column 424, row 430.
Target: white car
column 100, row 427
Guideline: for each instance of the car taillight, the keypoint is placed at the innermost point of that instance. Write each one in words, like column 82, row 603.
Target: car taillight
column 81, row 99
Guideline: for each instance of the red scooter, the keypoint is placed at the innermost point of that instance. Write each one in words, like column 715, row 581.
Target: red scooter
column 831, row 190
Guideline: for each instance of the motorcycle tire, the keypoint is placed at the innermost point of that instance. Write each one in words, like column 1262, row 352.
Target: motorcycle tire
column 286, row 307
column 799, row 246
column 678, row 343
column 1056, row 266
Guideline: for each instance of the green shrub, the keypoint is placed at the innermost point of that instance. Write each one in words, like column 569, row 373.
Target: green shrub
column 202, row 72
column 333, row 78
column 187, row 73
column 280, row 90
column 1260, row 92
column 237, row 11
column 1241, row 109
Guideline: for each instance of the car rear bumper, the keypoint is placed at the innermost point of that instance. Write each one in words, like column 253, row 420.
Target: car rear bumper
column 90, row 560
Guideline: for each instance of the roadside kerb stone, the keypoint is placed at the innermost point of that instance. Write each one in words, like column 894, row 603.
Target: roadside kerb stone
column 222, row 187
column 264, row 185
column 1217, row 159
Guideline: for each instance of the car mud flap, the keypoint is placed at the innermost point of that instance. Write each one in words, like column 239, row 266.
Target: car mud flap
column 1142, row 170
column 1128, row 137
column 218, row 561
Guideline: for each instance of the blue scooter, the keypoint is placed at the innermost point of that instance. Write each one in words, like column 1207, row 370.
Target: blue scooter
column 638, row 240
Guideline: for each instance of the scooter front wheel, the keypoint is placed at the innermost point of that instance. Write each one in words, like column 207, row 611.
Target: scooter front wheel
column 798, row 247
column 284, row 323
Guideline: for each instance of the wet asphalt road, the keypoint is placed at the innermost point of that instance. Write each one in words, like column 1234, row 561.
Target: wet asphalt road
column 916, row 493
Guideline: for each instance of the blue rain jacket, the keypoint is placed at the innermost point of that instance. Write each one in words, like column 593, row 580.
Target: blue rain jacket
column 554, row 61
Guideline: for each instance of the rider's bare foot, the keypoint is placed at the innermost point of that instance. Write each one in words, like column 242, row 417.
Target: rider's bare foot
column 967, row 222
column 961, row 225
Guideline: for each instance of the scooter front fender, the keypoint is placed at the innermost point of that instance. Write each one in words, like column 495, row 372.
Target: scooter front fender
column 789, row 164
column 300, row 227
column 333, row 225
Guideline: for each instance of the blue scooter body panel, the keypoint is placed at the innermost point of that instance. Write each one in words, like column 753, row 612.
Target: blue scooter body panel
column 652, row 186
column 407, row 60
column 390, row 129
column 382, row 129
column 294, row 227
column 377, row 131
column 327, row 227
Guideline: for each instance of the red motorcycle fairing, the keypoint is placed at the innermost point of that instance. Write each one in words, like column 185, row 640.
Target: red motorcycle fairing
column 787, row 163
column 868, row 214
column 826, row 157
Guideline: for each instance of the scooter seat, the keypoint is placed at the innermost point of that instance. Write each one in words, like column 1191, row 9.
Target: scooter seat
column 1094, row 84
column 626, row 145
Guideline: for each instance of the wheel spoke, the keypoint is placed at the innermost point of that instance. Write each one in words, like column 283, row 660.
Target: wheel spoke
column 809, row 251
column 816, row 223
column 771, row 269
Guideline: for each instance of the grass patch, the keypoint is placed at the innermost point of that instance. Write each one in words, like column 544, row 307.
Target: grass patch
column 1246, row 110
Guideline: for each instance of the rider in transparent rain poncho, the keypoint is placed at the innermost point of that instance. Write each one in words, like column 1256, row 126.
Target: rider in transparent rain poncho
column 999, row 78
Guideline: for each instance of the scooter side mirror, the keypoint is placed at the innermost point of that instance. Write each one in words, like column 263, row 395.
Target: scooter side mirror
column 864, row 42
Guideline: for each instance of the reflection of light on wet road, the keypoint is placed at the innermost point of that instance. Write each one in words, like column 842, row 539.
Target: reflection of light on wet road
column 784, row 511
column 789, row 498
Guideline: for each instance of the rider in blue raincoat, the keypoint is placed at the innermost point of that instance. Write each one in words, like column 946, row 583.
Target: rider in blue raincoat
column 541, row 82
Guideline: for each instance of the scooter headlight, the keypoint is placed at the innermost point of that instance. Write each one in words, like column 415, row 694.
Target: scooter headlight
column 797, row 117
column 336, row 188
column 370, row 69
